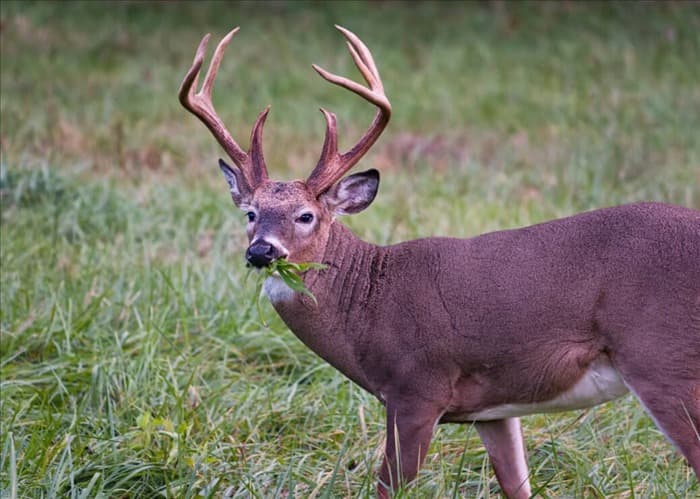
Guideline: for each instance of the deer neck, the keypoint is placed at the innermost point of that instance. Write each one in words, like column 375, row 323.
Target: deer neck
column 333, row 325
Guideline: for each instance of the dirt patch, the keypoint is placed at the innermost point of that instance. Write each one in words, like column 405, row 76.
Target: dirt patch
column 409, row 149
column 443, row 151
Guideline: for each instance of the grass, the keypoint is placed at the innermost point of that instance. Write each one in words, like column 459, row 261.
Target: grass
column 133, row 362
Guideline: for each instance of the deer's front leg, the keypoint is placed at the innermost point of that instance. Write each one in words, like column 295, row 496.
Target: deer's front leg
column 409, row 429
column 503, row 440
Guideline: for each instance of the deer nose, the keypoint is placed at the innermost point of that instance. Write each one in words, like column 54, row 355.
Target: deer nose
column 260, row 254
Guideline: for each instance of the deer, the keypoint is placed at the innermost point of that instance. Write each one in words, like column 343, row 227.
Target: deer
column 558, row 316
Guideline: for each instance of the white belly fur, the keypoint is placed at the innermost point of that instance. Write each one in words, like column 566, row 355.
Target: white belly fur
column 599, row 384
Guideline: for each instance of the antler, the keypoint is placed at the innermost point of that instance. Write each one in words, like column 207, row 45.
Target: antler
column 252, row 163
column 332, row 165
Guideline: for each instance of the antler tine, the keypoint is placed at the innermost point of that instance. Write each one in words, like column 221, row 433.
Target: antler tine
column 256, row 150
column 216, row 62
column 331, row 165
column 360, row 52
column 189, row 82
column 252, row 164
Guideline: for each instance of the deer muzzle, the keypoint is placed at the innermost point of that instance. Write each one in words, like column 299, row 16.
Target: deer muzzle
column 261, row 254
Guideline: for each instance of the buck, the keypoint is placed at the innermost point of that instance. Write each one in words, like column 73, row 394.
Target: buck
column 562, row 315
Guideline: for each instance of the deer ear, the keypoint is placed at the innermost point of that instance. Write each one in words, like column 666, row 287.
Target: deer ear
column 353, row 193
column 236, row 183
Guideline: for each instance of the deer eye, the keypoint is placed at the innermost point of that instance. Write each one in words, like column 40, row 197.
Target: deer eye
column 305, row 218
column 251, row 216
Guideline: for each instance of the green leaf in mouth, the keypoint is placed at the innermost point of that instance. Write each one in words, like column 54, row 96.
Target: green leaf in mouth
column 291, row 275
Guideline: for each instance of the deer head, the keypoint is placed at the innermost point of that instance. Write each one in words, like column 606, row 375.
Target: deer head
column 291, row 219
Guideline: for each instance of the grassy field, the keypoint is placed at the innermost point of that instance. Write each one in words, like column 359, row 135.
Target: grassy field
column 133, row 362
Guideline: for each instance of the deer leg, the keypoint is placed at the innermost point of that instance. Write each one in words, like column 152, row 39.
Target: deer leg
column 665, row 374
column 676, row 411
column 503, row 440
column 409, row 429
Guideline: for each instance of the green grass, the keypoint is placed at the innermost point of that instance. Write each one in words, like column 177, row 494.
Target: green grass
column 133, row 361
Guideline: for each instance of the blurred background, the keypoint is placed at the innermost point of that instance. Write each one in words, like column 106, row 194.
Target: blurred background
column 133, row 360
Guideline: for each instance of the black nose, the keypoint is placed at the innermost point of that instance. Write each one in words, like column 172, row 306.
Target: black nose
column 260, row 254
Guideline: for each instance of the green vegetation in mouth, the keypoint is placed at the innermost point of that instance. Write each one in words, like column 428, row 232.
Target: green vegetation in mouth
column 290, row 273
